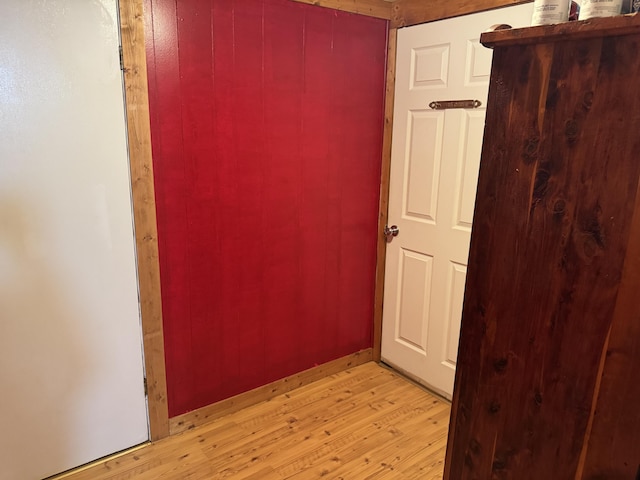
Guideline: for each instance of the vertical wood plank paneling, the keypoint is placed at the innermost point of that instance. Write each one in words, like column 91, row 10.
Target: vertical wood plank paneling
column 315, row 248
column 268, row 146
column 223, row 154
column 165, row 99
column 359, row 110
column 144, row 210
column 250, row 144
column 284, row 84
column 333, row 208
column 199, row 177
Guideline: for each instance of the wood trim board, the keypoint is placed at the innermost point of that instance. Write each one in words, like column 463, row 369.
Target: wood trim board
column 144, row 212
column 414, row 12
column 383, row 214
column 206, row 414
column 370, row 8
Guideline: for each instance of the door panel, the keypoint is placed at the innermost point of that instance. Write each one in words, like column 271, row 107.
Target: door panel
column 468, row 165
column 455, row 296
column 423, row 165
column 415, row 278
column 71, row 370
column 434, row 170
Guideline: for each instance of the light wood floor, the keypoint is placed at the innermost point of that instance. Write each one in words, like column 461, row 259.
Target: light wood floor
column 364, row 423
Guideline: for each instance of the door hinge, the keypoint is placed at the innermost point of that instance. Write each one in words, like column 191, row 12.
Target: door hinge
column 146, row 389
column 121, row 58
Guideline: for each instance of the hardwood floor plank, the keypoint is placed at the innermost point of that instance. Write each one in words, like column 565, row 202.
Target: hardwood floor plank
column 364, row 423
column 388, row 439
column 294, row 429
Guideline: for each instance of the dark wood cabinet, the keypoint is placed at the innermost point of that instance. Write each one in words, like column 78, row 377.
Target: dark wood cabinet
column 548, row 377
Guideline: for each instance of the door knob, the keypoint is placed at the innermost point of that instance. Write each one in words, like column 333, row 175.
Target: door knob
column 391, row 231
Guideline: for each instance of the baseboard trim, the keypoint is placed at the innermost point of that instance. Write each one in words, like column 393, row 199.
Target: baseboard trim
column 209, row 413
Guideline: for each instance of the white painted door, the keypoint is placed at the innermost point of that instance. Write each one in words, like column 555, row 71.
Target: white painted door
column 71, row 371
column 434, row 168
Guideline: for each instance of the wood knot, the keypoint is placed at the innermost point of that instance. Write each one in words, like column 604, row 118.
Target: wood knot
column 559, row 207
column 530, row 150
column 499, row 464
column 500, row 365
column 494, row 407
column 502, row 459
column 563, row 264
column 475, row 446
column 571, row 130
column 593, row 229
column 537, row 398
column 593, row 236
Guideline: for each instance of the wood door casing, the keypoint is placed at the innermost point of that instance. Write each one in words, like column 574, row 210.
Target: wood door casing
column 267, row 135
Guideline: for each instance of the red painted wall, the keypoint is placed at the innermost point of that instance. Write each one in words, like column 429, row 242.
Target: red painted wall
column 266, row 121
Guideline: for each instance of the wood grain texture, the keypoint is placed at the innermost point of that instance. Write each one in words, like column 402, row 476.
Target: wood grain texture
column 383, row 211
column 613, row 450
column 209, row 413
column 596, row 27
column 551, row 244
column 413, row 12
column 371, row 8
column 366, row 422
column 144, row 211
